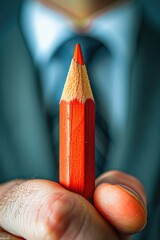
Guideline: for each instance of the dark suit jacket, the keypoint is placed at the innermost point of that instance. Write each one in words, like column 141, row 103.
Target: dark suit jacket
column 25, row 146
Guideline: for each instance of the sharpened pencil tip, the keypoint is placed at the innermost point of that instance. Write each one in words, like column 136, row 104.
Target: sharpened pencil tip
column 78, row 56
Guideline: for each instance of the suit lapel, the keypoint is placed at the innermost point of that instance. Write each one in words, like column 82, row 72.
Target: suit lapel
column 139, row 147
column 26, row 148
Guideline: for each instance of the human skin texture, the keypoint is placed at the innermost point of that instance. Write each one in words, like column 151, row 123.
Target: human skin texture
column 40, row 209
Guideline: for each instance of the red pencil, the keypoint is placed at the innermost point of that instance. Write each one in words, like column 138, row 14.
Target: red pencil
column 77, row 130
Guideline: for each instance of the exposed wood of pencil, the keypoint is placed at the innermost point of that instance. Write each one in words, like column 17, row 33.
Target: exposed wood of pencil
column 77, row 130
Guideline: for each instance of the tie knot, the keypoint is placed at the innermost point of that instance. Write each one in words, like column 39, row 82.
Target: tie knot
column 89, row 46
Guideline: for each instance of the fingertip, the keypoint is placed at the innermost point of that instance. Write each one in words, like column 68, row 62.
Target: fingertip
column 124, row 210
column 121, row 178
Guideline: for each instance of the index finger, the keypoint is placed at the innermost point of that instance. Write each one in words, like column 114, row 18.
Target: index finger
column 41, row 209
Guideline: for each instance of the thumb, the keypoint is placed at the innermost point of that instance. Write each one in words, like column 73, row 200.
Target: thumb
column 120, row 198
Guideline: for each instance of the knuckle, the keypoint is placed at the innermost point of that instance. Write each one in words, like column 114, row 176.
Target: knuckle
column 63, row 218
column 53, row 216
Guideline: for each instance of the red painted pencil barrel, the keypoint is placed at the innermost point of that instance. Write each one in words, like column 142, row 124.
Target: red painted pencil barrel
column 77, row 144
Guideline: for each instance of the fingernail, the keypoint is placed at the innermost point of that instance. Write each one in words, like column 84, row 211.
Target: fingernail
column 133, row 193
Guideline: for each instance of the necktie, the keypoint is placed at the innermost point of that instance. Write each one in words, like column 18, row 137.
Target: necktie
column 55, row 73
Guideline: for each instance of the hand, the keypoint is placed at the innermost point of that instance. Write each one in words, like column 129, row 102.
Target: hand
column 43, row 210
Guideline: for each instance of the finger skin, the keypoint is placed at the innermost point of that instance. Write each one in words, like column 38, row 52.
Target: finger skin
column 40, row 209
column 121, row 178
column 129, row 215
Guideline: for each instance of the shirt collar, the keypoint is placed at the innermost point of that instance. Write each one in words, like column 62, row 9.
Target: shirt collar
column 45, row 29
column 118, row 28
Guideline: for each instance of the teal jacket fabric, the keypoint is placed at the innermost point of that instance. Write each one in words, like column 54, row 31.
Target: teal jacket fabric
column 25, row 143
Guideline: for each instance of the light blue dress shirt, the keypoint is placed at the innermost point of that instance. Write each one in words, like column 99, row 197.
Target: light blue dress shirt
column 45, row 30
